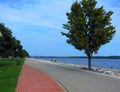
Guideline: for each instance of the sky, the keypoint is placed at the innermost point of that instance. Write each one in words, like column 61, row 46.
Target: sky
column 38, row 25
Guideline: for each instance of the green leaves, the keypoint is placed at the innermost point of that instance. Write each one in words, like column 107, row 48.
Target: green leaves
column 9, row 44
column 88, row 27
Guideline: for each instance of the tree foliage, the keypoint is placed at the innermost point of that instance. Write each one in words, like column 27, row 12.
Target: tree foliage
column 89, row 27
column 9, row 46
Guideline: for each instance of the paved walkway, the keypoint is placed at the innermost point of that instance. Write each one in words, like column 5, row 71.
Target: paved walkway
column 74, row 79
column 33, row 80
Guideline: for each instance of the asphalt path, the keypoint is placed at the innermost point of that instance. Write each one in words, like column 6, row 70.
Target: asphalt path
column 77, row 80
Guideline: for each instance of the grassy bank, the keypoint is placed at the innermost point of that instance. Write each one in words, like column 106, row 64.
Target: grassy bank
column 9, row 73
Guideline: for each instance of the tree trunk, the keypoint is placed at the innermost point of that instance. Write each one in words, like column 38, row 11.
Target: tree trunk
column 89, row 62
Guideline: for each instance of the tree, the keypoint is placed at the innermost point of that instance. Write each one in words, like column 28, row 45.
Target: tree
column 88, row 27
column 5, row 41
column 9, row 45
column 25, row 53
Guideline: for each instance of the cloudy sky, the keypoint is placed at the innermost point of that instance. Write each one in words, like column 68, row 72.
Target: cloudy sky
column 38, row 23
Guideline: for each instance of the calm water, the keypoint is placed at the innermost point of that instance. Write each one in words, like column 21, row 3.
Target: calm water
column 103, row 63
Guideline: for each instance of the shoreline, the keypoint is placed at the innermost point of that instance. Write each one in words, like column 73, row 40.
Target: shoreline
column 96, row 62
column 103, row 71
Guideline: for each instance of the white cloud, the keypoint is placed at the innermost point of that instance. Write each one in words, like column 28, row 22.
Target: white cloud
column 49, row 14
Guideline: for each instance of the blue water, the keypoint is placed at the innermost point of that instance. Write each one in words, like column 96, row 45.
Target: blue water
column 101, row 63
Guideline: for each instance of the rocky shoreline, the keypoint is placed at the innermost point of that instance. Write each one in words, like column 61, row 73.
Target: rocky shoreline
column 106, row 71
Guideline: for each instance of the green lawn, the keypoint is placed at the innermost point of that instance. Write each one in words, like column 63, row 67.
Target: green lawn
column 9, row 73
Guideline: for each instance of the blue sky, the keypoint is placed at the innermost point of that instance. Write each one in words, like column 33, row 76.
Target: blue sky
column 38, row 23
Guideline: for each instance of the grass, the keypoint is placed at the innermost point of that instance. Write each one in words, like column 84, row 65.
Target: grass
column 9, row 73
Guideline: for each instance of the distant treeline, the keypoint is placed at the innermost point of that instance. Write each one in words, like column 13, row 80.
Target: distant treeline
column 99, row 57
